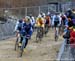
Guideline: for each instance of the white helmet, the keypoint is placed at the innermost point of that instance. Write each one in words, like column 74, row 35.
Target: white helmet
column 39, row 16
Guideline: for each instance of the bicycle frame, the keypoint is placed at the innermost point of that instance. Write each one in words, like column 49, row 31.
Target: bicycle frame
column 17, row 40
column 23, row 45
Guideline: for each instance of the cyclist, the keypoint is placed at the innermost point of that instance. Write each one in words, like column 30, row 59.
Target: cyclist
column 18, row 29
column 40, row 23
column 56, row 21
column 47, row 23
column 32, row 21
column 47, row 18
column 64, row 20
column 26, row 30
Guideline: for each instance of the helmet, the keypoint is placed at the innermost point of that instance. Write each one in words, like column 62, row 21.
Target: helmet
column 30, row 15
column 39, row 16
column 20, row 21
column 27, row 19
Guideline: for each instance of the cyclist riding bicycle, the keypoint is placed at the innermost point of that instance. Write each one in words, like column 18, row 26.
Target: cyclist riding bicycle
column 40, row 25
column 47, row 23
column 47, row 18
column 26, row 30
column 56, row 23
column 18, row 29
column 64, row 20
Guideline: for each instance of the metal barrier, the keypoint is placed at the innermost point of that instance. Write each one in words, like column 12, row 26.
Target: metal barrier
column 66, row 52
column 61, row 50
column 6, row 29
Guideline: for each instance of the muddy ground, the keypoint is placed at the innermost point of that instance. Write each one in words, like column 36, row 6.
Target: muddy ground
column 46, row 50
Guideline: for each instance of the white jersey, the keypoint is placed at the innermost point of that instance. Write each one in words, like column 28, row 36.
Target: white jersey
column 32, row 20
column 54, row 20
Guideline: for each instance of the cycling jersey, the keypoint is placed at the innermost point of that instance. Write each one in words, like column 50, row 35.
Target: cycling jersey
column 47, row 20
column 56, row 21
column 26, row 29
column 40, row 22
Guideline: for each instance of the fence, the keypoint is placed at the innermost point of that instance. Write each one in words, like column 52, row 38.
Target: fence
column 35, row 10
column 23, row 11
column 6, row 29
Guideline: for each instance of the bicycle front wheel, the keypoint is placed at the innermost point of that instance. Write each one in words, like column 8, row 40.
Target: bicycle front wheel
column 22, row 47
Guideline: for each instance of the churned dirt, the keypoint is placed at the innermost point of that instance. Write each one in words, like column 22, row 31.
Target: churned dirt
column 46, row 50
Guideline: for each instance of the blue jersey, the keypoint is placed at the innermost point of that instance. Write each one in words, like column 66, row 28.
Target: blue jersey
column 26, row 29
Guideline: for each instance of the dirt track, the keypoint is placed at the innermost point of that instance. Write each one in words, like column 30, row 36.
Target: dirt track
column 44, row 51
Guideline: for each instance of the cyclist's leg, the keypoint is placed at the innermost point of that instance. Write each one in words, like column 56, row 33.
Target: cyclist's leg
column 42, row 30
column 37, row 31
column 26, row 43
column 21, row 38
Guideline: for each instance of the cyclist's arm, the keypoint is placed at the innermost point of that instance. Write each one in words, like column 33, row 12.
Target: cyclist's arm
column 66, row 23
column 53, row 20
column 60, row 20
column 33, row 20
column 49, row 21
column 16, row 26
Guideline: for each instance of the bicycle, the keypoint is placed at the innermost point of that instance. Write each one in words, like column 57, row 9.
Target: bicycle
column 46, row 28
column 39, row 34
column 24, row 43
column 17, row 42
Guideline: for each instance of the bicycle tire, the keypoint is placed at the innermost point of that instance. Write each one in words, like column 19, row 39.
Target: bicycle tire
column 56, row 36
column 16, row 44
column 22, row 47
